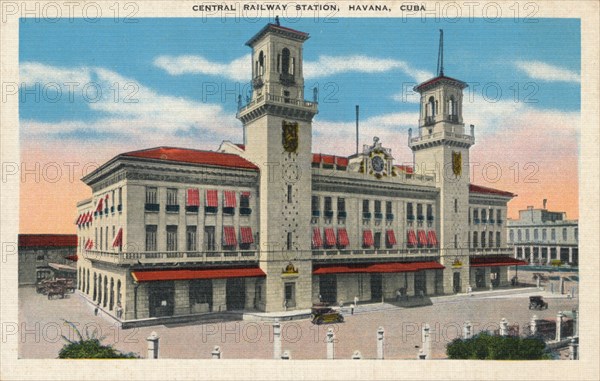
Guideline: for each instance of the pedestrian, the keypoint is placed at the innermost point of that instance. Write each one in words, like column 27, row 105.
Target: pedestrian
column 285, row 304
column 398, row 295
column 355, row 301
column 119, row 310
column 97, row 309
column 352, row 309
column 469, row 290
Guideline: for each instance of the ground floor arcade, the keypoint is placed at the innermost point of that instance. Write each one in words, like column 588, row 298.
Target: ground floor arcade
column 544, row 255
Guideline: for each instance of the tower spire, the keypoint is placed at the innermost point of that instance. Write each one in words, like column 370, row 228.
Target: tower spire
column 440, row 63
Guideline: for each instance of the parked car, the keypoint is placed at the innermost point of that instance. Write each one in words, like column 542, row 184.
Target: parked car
column 537, row 303
column 321, row 313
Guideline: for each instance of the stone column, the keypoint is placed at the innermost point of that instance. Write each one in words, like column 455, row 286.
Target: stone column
column 503, row 327
column 558, row 252
column 573, row 349
column 537, row 282
column 276, row 340
column 549, row 251
column 467, row 330
column 216, row 352
column 380, row 343
column 530, row 254
column 516, row 252
column 570, row 254
column 152, row 346
column 562, row 285
column 330, row 349
column 559, row 317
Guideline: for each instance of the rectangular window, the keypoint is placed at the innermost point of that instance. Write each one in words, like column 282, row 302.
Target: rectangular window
column 455, row 205
column 328, row 207
column 483, row 216
column 491, row 239
column 289, row 242
column 315, row 206
column 113, row 201
column 151, row 237
column 119, row 206
column 152, row 199
column 498, row 239
column 377, row 209
column 290, row 295
column 209, row 238
column 536, row 236
column 172, row 201
column 289, row 194
column 544, row 235
column 245, row 200
column 456, row 241
column 564, row 234
column 365, row 208
column 419, row 212
column 511, row 235
column 499, row 216
column 475, row 239
column 191, row 238
column 553, row 234
column 341, row 207
column 527, row 235
column 101, row 240
column 576, row 234
column 389, row 213
column 377, row 240
column 171, row 237
column 410, row 216
column 430, row 213
column 482, row 239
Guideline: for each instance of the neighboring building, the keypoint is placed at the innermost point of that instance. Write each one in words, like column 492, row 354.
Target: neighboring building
column 540, row 236
column 44, row 256
column 268, row 225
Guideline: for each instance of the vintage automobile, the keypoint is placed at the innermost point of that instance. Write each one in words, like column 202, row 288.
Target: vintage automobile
column 322, row 313
column 537, row 303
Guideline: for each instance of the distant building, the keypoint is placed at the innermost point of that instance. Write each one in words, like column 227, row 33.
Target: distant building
column 44, row 256
column 540, row 236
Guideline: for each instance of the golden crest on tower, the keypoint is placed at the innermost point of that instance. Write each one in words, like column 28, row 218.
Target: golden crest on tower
column 289, row 136
column 457, row 163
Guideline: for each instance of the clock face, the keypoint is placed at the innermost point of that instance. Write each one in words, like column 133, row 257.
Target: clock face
column 377, row 163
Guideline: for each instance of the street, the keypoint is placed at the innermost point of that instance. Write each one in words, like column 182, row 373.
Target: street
column 42, row 324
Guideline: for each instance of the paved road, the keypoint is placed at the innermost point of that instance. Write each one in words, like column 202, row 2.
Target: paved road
column 41, row 324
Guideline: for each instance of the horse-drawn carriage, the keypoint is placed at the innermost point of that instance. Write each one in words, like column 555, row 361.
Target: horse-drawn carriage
column 55, row 288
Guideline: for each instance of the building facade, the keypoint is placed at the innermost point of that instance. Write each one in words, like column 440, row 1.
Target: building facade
column 268, row 225
column 543, row 237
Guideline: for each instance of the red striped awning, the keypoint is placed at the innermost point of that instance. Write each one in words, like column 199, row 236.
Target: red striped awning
column 230, row 201
column 229, row 238
column 496, row 261
column 118, row 241
column 422, row 238
column 212, row 198
column 411, row 238
column 99, row 205
column 245, row 194
column 78, row 220
column 343, row 237
column 391, row 267
column 187, row 274
column 89, row 244
column 329, row 237
column 90, row 217
column 84, row 219
column 193, row 197
column 432, row 238
column 246, row 234
column 368, row 238
column 391, row 237
column 317, row 242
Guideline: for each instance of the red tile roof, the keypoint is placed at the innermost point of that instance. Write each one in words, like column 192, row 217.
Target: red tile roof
column 485, row 190
column 47, row 240
column 437, row 79
column 186, row 155
column 405, row 168
column 330, row 159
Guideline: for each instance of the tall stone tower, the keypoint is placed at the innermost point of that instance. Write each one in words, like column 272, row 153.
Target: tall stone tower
column 278, row 139
column 442, row 146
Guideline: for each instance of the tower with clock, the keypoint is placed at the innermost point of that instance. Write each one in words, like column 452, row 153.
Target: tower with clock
column 277, row 124
column 441, row 147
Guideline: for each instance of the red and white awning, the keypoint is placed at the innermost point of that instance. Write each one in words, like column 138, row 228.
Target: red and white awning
column 329, row 237
column 422, row 238
column 187, row 274
column 99, row 205
column 368, row 238
column 230, row 201
column 343, row 237
column 245, row 194
column 118, row 241
column 212, row 198
column 317, row 242
column 432, row 238
column 391, row 237
column 246, row 235
column 229, row 238
column 411, row 238
column 193, row 197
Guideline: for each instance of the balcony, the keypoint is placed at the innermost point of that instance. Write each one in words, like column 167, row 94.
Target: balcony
column 331, row 255
column 342, row 214
column 257, row 82
column 152, row 207
column 277, row 99
column 491, row 221
column 389, row 216
column 166, row 257
column 378, row 216
column 366, row 215
column 245, row 211
column 172, row 208
column 492, row 251
column 328, row 213
column 429, row 120
column 287, row 79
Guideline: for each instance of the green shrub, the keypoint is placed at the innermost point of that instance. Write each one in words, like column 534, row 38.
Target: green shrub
column 488, row 347
column 90, row 347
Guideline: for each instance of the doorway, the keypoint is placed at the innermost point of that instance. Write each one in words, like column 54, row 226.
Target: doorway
column 456, row 286
column 161, row 298
column 328, row 288
column 235, row 294
column 376, row 287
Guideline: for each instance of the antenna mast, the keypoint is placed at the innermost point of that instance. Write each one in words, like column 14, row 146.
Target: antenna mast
column 440, row 63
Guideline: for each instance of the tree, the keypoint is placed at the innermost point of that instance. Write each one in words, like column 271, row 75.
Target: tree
column 89, row 347
column 487, row 347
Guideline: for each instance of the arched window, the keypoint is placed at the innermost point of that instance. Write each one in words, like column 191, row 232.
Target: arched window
column 498, row 239
column 491, row 240
column 519, row 236
column 112, row 294
column 474, row 239
column 430, row 107
column 285, row 61
column 105, row 301
column 452, row 106
column 87, row 282
column 261, row 63
column 483, row 215
column 119, row 291
column 99, row 299
column 482, row 239
column 512, row 236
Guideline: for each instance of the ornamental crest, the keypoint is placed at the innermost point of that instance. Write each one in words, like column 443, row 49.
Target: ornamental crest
column 457, row 163
column 289, row 136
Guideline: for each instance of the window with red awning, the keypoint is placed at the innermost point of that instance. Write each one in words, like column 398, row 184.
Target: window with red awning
column 118, row 241
column 368, row 238
column 99, row 205
column 433, row 242
column 411, row 238
column 343, row 240
column 212, row 198
column 391, row 238
column 230, row 201
column 229, row 238
column 317, row 242
column 422, row 238
column 329, row 237
column 246, row 235
column 193, row 197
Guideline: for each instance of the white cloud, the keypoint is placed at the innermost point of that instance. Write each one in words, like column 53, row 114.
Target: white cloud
column 237, row 70
column 329, row 65
column 33, row 72
column 137, row 112
column 546, row 72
